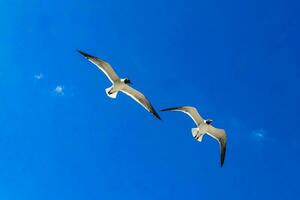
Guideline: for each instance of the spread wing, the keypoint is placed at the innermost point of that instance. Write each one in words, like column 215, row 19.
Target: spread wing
column 140, row 98
column 220, row 136
column 191, row 111
column 102, row 65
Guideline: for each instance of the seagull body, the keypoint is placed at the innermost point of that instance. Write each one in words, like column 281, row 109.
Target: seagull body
column 120, row 84
column 203, row 127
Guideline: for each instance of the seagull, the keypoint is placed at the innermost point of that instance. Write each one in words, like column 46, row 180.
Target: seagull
column 203, row 127
column 120, row 84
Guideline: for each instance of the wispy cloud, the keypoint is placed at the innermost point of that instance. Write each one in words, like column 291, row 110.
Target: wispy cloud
column 59, row 90
column 259, row 134
column 38, row 76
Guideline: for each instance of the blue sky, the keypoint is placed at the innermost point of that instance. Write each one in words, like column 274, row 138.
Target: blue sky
column 61, row 137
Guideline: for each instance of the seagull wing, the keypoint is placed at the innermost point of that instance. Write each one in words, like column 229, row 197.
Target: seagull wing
column 191, row 111
column 140, row 98
column 102, row 65
column 220, row 136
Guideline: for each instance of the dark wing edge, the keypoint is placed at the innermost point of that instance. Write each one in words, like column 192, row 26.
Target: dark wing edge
column 105, row 67
column 141, row 99
column 223, row 153
column 153, row 111
column 170, row 109
column 86, row 54
column 146, row 103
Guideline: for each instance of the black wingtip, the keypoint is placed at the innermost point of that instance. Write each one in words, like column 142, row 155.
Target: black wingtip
column 156, row 115
column 168, row 109
column 85, row 54
column 223, row 156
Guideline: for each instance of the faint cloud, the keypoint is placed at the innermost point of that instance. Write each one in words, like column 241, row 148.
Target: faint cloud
column 39, row 76
column 259, row 134
column 59, row 90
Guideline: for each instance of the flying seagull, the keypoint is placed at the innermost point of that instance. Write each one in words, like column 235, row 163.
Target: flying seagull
column 203, row 127
column 120, row 84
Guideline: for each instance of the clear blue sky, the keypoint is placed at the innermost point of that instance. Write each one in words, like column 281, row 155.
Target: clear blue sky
column 61, row 137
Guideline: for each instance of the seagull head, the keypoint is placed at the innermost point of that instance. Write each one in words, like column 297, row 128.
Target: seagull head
column 127, row 81
column 208, row 121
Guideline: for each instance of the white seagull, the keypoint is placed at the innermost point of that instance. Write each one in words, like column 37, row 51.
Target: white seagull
column 120, row 84
column 203, row 127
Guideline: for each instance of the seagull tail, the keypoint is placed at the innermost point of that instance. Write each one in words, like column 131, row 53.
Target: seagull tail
column 197, row 135
column 110, row 93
